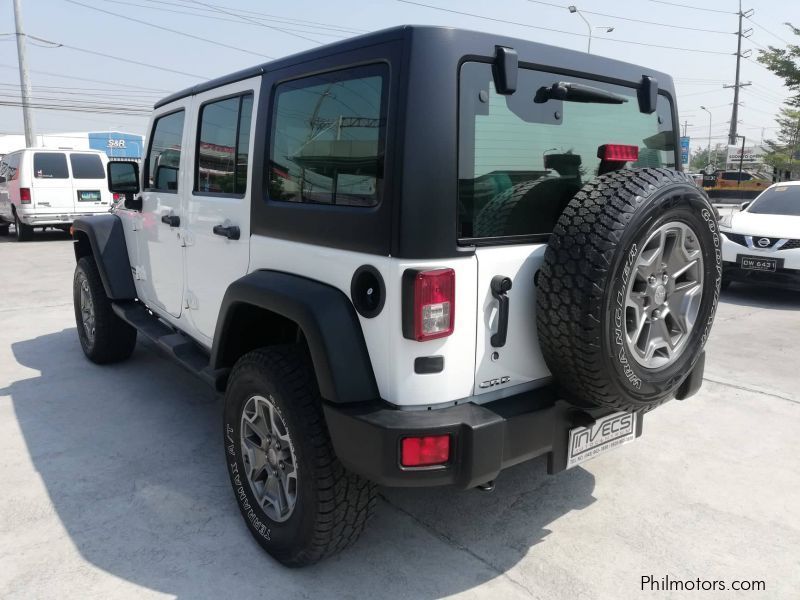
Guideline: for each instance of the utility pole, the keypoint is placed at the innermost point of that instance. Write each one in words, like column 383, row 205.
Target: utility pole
column 732, row 133
column 24, row 78
column 686, row 126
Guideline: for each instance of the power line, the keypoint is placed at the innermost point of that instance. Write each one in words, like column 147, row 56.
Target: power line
column 175, row 31
column 76, row 78
column 775, row 35
column 591, row 12
column 260, row 24
column 262, row 15
column 77, row 108
column 315, row 29
column 713, row 10
column 583, row 35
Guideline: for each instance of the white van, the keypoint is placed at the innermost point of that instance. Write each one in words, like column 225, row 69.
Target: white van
column 51, row 188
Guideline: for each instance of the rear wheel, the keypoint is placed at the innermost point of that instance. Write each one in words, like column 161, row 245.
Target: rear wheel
column 24, row 232
column 104, row 337
column 297, row 500
column 628, row 288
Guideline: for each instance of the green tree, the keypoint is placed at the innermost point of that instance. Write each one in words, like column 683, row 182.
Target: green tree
column 781, row 151
column 785, row 63
column 699, row 160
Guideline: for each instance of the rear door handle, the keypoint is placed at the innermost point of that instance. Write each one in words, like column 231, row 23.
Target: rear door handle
column 171, row 220
column 500, row 286
column 229, row 231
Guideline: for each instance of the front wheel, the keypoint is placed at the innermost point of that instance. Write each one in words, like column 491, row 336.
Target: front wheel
column 104, row 337
column 297, row 500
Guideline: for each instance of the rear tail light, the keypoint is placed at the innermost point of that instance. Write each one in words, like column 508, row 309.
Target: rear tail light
column 429, row 304
column 24, row 195
column 618, row 152
column 425, row 451
column 118, row 197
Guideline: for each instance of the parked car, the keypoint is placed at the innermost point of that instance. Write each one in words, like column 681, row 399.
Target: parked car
column 413, row 258
column 761, row 244
column 733, row 183
column 40, row 187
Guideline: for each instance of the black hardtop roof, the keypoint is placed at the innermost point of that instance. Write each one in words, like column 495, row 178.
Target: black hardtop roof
column 472, row 42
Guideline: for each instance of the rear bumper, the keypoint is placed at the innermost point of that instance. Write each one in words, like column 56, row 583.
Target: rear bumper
column 484, row 438
column 38, row 219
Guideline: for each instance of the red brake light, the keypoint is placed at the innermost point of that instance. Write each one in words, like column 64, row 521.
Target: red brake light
column 425, row 450
column 433, row 305
column 24, row 195
column 618, row 152
column 118, row 197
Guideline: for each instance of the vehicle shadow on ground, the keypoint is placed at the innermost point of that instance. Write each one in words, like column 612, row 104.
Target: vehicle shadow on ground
column 131, row 456
column 48, row 235
column 776, row 298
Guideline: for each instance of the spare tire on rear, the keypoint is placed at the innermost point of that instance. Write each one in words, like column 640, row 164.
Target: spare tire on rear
column 628, row 288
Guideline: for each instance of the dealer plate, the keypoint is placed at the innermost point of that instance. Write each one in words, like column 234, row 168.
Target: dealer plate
column 89, row 196
column 606, row 433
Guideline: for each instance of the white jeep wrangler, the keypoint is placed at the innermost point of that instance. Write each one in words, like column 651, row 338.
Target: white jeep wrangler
column 413, row 258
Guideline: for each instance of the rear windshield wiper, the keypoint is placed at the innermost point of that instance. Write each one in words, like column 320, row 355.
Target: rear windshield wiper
column 576, row 92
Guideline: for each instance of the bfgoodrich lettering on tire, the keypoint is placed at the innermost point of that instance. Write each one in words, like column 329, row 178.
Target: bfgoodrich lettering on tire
column 297, row 500
column 629, row 287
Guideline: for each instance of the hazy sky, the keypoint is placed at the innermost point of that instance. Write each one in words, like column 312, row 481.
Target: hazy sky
column 261, row 29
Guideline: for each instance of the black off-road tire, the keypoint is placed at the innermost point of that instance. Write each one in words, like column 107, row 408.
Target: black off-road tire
column 585, row 268
column 114, row 340
column 492, row 219
column 24, row 232
column 333, row 505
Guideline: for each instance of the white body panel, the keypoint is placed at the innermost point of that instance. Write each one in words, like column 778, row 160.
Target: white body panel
column 520, row 360
column 54, row 201
column 160, row 247
column 213, row 262
column 392, row 355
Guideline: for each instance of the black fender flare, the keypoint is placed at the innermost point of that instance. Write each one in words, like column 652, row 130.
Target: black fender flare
column 106, row 239
column 327, row 319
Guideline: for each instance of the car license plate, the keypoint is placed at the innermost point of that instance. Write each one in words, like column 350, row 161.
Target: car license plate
column 90, row 196
column 757, row 263
column 606, row 433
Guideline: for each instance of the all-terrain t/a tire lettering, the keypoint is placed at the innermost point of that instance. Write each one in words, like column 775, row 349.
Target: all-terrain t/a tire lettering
column 586, row 273
column 332, row 505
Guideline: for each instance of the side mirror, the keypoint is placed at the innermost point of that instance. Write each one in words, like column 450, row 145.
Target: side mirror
column 744, row 205
column 123, row 177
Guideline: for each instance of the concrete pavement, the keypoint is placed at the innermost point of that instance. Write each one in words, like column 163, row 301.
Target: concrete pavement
column 112, row 482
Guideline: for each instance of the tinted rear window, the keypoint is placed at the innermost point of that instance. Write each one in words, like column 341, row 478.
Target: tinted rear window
column 50, row 165
column 523, row 156
column 87, row 166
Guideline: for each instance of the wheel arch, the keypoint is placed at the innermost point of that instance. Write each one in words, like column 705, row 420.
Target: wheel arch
column 103, row 238
column 271, row 307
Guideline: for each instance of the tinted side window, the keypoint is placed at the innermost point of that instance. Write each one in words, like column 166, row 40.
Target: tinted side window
column 12, row 166
column 86, row 166
column 50, row 165
column 164, row 156
column 328, row 138
column 224, row 131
